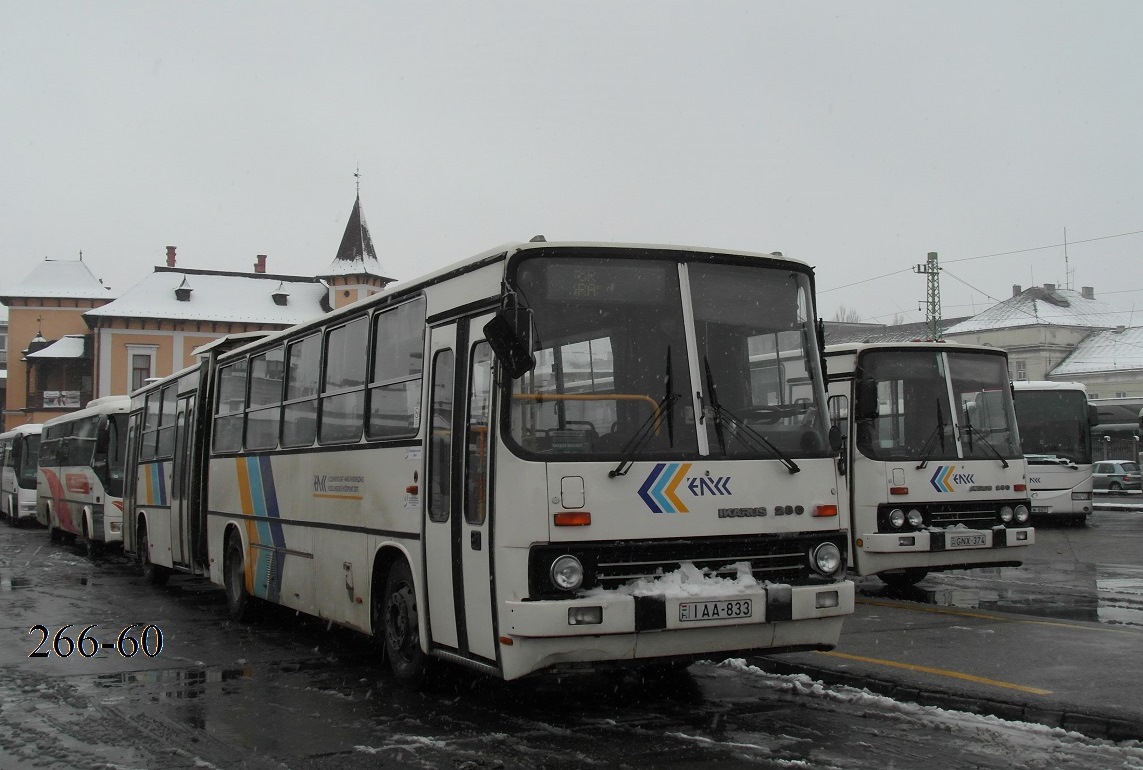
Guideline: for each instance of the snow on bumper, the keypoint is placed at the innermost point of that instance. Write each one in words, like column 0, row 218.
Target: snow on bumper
column 627, row 614
column 928, row 541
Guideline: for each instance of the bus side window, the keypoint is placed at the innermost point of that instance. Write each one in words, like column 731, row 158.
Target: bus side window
column 476, row 465
column 440, row 437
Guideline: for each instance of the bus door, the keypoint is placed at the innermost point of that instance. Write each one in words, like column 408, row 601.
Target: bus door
column 181, row 481
column 458, row 524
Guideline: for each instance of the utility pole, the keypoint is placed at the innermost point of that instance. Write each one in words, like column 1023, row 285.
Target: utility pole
column 933, row 294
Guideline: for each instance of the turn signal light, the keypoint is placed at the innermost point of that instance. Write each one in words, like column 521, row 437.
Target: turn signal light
column 825, row 510
column 573, row 518
column 1019, row 487
column 898, row 490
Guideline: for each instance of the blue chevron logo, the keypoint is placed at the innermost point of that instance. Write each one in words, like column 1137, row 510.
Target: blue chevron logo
column 659, row 488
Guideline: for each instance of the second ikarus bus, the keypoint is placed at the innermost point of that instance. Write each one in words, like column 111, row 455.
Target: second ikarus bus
column 548, row 456
column 1055, row 431
column 79, row 486
column 934, row 472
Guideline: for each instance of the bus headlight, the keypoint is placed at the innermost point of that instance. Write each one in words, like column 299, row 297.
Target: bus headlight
column 826, row 559
column 1022, row 513
column 897, row 518
column 915, row 518
column 1006, row 513
column 567, row 573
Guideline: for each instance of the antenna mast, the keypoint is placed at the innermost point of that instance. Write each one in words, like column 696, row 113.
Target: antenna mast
column 932, row 294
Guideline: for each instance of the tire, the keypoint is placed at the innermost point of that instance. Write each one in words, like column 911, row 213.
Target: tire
column 395, row 615
column 239, row 602
column 153, row 574
column 90, row 547
column 1114, row 486
column 55, row 534
column 904, row 578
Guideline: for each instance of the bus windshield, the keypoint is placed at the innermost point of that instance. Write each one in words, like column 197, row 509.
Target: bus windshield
column 1054, row 425
column 936, row 405
column 623, row 346
column 28, row 460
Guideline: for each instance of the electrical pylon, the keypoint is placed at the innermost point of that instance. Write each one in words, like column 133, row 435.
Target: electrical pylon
column 932, row 271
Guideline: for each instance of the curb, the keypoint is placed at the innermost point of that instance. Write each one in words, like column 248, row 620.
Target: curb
column 1092, row 725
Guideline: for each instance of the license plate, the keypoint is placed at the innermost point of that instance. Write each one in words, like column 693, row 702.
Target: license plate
column 965, row 541
column 724, row 610
column 1041, row 509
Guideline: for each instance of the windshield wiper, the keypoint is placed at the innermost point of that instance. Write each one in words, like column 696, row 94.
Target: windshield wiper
column 650, row 426
column 740, row 427
column 969, row 431
column 931, row 441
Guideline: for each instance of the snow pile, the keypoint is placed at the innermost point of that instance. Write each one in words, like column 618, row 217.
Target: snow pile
column 688, row 581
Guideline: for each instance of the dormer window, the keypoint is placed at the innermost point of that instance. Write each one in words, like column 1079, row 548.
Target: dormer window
column 280, row 295
column 183, row 292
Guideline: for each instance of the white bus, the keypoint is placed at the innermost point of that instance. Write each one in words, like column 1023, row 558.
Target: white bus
column 1055, row 431
column 933, row 468
column 19, row 456
column 548, row 456
column 80, row 480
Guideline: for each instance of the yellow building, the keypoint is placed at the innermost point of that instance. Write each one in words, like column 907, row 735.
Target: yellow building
column 72, row 341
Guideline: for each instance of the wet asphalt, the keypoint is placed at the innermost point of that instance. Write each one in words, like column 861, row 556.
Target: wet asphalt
column 1082, row 675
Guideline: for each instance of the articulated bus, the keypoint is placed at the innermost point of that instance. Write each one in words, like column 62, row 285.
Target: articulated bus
column 80, row 480
column 1055, row 421
column 547, row 457
column 19, row 457
column 934, row 473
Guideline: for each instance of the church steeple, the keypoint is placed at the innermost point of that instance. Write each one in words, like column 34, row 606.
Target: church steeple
column 355, row 272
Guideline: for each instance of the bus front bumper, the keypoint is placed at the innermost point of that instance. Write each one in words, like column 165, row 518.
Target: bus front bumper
column 928, row 541
column 616, row 613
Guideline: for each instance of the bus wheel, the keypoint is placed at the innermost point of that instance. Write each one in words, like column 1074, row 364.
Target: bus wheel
column 153, row 574
column 903, row 578
column 91, row 547
column 55, row 534
column 238, row 600
column 399, row 619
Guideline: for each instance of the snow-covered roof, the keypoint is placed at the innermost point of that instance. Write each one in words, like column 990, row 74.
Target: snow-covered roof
column 59, row 278
column 356, row 255
column 1112, row 350
column 219, row 296
column 1039, row 306
column 68, row 346
column 838, row 332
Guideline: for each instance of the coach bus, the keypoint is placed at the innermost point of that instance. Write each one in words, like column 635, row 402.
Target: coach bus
column 80, row 480
column 934, row 472
column 1055, row 422
column 550, row 456
column 19, row 456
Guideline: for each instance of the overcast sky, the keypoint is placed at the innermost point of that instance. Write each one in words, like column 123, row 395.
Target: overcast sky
column 855, row 136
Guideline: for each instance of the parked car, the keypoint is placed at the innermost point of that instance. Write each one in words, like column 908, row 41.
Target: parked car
column 1115, row 475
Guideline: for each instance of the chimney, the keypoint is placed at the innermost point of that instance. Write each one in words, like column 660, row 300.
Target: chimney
column 170, row 256
column 1016, row 289
column 1087, row 292
column 260, row 265
column 1049, row 286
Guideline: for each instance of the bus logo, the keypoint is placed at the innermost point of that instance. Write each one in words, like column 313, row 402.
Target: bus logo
column 946, row 477
column 659, row 490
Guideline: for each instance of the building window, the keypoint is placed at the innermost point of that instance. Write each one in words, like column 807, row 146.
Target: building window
column 141, row 365
column 1021, row 370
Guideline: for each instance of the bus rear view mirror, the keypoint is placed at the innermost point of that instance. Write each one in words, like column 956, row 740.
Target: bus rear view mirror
column 508, row 334
column 866, row 398
column 1093, row 415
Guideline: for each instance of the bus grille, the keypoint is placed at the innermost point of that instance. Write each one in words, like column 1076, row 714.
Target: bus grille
column 611, row 565
column 974, row 515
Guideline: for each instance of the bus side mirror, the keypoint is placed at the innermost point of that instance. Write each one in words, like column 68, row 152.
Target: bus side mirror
column 835, row 438
column 509, row 336
column 866, row 398
column 1092, row 415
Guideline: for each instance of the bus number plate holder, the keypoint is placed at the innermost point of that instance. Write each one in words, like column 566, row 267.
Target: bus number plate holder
column 966, row 541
